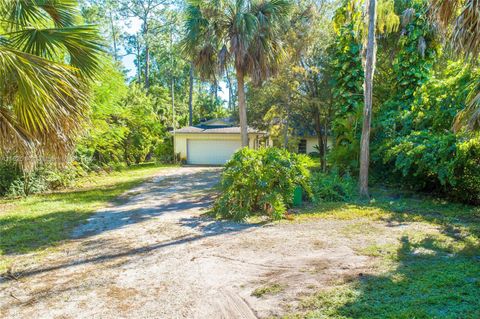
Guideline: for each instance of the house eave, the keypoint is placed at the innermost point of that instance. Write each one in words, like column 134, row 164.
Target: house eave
column 207, row 132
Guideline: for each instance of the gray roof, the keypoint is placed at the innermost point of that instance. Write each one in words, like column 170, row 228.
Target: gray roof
column 215, row 130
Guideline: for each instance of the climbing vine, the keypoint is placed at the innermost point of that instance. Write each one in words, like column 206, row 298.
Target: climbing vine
column 412, row 67
column 417, row 53
column 347, row 88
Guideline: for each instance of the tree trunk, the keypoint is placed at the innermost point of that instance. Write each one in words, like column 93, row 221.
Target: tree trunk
column 173, row 81
column 230, row 92
column 287, row 124
column 215, row 90
column 114, row 37
column 147, row 67
column 147, row 52
column 190, row 97
column 368, row 89
column 242, row 108
column 323, row 154
column 321, row 140
column 285, row 134
column 325, row 145
column 173, row 103
column 139, row 73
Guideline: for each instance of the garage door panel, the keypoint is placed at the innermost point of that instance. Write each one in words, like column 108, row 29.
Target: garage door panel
column 211, row 152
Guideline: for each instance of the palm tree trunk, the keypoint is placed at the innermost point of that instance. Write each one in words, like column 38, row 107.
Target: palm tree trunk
column 230, row 92
column 190, row 97
column 242, row 107
column 367, row 110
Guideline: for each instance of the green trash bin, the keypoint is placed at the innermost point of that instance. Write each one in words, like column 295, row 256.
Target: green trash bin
column 297, row 196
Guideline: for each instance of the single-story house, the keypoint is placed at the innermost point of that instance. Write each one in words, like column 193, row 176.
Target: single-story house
column 213, row 142
column 309, row 143
column 307, row 140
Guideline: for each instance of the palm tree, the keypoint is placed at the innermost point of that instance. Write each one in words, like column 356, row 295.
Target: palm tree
column 460, row 21
column 244, row 32
column 45, row 62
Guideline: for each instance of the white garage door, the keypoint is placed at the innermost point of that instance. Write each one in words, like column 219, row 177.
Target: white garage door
column 210, row 152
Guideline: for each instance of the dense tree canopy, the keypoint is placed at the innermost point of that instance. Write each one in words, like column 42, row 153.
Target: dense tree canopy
column 294, row 68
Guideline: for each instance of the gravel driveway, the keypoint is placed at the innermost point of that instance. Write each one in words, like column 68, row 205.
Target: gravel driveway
column 155, row 256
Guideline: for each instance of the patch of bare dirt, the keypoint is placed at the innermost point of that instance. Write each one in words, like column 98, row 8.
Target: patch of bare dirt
column 155, row 256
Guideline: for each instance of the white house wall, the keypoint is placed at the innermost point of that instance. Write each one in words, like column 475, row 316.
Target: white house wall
column 180, row 141
column 313, row 141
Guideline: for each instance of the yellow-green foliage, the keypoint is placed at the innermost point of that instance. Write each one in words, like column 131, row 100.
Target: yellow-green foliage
column 261, row 182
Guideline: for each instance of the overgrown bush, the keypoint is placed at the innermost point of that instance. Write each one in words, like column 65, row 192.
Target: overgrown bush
column 9, row 173
column 261, row 182
column 15, row 182
column 444, row 163
column 332, row 187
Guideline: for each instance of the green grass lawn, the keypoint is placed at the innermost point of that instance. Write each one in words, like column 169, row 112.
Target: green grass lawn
column 38, row 223
column 426, row 274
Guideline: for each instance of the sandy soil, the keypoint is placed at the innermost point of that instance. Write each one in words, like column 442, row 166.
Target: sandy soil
column 155, row 256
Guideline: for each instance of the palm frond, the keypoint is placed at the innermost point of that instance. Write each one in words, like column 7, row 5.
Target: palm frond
column 248, row 32
column 202, row 42
column 19, row 14
column 82, row 43
column 266, row 48
column 445, row 11
column 14, row 139
column 466, row 32
column 460, row 21
column 45, row 103
column 469, row 117
column 28, row 78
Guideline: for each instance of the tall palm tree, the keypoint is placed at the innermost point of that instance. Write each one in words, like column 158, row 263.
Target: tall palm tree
column 46, row 61
column 244, row 32
column 460, row 21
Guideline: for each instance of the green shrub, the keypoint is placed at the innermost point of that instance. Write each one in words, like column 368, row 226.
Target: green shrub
column 23, row 184
column 14, row 182
column 261, row 182
column 9, row 172
column 332, row 187
column 446, row 163
column 314, row 155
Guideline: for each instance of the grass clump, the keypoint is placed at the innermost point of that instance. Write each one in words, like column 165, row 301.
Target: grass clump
column 268, row 290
